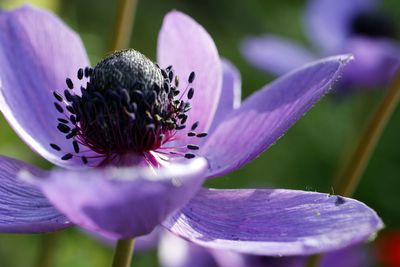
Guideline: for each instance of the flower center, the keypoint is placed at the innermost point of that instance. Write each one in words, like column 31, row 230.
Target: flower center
column 373, row 24
column 128, row 106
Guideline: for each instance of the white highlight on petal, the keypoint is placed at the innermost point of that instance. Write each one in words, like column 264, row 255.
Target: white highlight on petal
column 172, row 250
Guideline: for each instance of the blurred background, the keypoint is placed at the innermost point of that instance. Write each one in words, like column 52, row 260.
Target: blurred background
column 306, row 158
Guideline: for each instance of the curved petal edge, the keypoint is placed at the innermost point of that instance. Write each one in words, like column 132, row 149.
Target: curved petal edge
column 273, row 222
column 23, row 207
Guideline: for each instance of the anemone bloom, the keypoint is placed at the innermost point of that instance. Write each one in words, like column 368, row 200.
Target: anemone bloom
column 126, row 162
column 335, row 26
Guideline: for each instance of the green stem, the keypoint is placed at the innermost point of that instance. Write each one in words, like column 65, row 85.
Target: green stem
column 349, row 178
column 124, row 24
column 48, row 250
column 313, row 261
column 123, row 253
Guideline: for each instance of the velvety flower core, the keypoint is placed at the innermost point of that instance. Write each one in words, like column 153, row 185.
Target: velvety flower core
column 129, row 107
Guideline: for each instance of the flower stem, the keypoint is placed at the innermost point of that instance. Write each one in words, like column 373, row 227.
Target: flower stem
column 124, row 24
column 350, row 176
column 123, row 253
column 314, row 260
column 48, row 249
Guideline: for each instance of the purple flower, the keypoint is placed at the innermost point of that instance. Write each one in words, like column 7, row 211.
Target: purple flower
column 335, row 26
column 123, row 152
column 175, row 252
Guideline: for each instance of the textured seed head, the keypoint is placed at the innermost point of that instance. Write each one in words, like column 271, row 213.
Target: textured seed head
column 127, row 69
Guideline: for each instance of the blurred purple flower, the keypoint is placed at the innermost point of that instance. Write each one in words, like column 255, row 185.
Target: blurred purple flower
column 176, row 252
column 335, row 26
column 101, row 187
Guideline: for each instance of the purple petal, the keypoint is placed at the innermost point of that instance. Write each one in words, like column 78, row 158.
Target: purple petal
column 23, row 208
column 230, row 95
column 123, row 202
column 37, row 53
column 268, row 114
column 328, row 22
column 377, row 61
column 273, row 222
column 274, row 54
column 186, row 45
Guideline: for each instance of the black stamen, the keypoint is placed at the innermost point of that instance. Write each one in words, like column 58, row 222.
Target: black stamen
column 166, row 87
column 63, row 128
column 191, row 77
column 62, row 120
column 164, row 74
column 202, row 135
column 58, row 107
column 68, row 95
column 72, row 134
column 67, row 156
column 55, row 147
column 57, row 96
column 190, row 93
column 84, row 160
column 195, row 125
column 70, row 109
column 192, row 147
column 191, row 134
column 183, row 120
column 76, row 146
column 80, row 74
column 171, row 75
column 189, row 155
column 69, row 83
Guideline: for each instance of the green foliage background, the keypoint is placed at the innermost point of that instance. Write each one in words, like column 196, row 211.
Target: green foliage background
column 306, row 158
